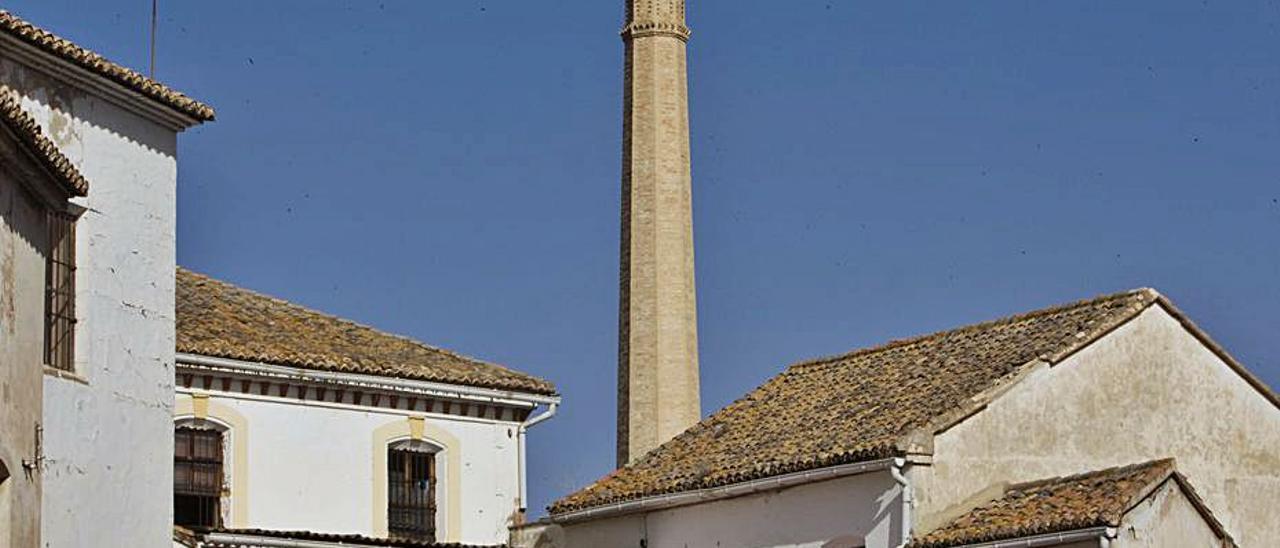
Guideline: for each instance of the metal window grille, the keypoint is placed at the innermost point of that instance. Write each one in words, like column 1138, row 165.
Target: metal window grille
column 411, row 505
column 197, row 477
column 60, row 292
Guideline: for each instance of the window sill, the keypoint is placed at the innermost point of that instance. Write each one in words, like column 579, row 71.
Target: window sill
column 67, row 375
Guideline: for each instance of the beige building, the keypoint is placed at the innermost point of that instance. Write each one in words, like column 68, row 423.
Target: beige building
column 1108, row 422
column 36, row 184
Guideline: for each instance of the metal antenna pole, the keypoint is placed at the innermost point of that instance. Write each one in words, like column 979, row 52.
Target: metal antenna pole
column 154, row 9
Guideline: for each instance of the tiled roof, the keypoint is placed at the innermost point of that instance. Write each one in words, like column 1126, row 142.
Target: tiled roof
column 28, row 131
column 69, row 51
column 859, row 406
column 217, row 319
column 1059, row 505
column 204, row 538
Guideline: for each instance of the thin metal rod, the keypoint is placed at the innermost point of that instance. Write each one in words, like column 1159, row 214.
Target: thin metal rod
column 154, row 9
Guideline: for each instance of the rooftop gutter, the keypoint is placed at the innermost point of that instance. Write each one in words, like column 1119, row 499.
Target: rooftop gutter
column 672, row 500
column 521, row 434
column 424, row 388
column 1100, row 534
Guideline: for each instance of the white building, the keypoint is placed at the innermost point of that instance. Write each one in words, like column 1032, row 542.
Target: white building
column 107, row 387
column 292, row 424
column 1109, row 422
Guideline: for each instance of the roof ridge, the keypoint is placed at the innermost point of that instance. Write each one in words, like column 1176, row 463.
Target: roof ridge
column 87, row 59
column 1149, row 294
column 346, row 321
column 1168, row 462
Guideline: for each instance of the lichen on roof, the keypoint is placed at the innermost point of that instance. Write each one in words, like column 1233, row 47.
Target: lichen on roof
column 858, row 406
column 218, row 319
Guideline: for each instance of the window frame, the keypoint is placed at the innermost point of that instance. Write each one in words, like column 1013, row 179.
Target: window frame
column 209, row 497
column 410, row 462
column 60, row 292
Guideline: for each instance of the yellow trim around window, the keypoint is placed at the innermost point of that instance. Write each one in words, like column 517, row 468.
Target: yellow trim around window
column 201, row 406
column 418, row 428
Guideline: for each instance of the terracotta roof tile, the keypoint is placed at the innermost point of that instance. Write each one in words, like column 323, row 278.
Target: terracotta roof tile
column 218, row 319
column 28, row 131
column 859, row 406
column 69, row 51
column 1095, row 499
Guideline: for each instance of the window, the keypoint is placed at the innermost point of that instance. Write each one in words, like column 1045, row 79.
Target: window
column 411, row 491
column 197, row 477
column 60, row 292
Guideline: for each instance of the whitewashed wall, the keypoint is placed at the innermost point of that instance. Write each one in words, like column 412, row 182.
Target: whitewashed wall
column 862, row 510
column 104, row 430
column 305, row 455
column 1149, row 390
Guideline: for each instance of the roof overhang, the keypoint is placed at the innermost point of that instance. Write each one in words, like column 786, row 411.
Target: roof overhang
column 370, row 382
column 96, row 84
column 686, row 498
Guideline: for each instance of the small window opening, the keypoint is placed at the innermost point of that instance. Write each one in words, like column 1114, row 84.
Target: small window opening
column 197, row 477
column 411, row 492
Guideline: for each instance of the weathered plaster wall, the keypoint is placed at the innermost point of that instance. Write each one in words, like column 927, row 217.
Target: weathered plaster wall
column 1166, row 519
column 326, row 457
column 862, row 510
column 1148, row 390
column 23, row 247
column 106, row 429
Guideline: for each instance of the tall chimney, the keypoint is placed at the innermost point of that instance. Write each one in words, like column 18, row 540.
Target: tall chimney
column 658, row 327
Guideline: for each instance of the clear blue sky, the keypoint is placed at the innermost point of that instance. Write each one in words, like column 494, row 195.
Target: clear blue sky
column 449, row 171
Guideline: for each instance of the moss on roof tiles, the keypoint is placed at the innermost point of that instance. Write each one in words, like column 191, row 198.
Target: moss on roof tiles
column 1095, row 499
column 858, row 406
column 217, row 319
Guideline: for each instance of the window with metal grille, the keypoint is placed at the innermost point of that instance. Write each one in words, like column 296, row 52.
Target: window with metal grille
column 197, row 477
column 60, row 292
column 411, row 493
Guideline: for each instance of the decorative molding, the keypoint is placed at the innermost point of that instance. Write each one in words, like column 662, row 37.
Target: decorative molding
column 450, row 456
column 200, row 407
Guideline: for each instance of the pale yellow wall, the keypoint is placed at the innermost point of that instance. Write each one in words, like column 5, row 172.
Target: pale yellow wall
column 1166, row 519
column 1149, row 390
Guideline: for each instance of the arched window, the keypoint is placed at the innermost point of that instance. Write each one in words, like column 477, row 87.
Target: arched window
column 411, row 490
column 197, row 474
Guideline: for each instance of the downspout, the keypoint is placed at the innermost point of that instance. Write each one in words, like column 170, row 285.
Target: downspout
column 523, row 503
column 908, row 500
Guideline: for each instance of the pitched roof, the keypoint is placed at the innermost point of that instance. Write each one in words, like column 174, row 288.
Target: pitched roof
column 1059, row 505
column 209, row 538
column 28, row 131
column 859, row 406
column 217, row 319
column 65, row 49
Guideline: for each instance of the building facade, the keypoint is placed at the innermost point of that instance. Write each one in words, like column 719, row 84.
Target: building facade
column 106, row 389
column 281, row 408
column 36, row 184
column 1106, row 422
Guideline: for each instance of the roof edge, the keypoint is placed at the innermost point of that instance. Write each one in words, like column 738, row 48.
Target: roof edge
column 47, row 51
column 1200, row 334
column 711, row 494
column 455, row 390
column 1148, row 293
column 28, row 132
